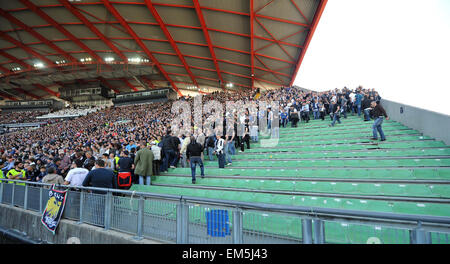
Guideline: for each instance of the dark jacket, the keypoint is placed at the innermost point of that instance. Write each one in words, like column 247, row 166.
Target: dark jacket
column 210, row 142
column 100, row 178
column 168, row 143
column 89, row 163
column 194, row 150
column 333, row 108
column 366, row 103
column 378, row 111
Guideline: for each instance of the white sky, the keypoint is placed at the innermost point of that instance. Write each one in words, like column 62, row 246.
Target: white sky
column 399, row 47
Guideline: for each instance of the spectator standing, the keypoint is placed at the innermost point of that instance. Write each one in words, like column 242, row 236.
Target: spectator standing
column 100, row 177
column 358, row 100
column 126, row 166
column 210, row 144
column 335, row 113
column 168, row 150
column 284, row 118
column 366, row 106
column 219, row 150
column 228, row 153
column 322, row 111
column 144, row 164
column 193, row 153
column 156, row 157
column 294, row 117
column 378, row 113
column 184, row 145
column 315, row 108
column 343, row 105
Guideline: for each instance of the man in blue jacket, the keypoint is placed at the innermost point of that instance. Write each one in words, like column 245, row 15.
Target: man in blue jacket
column 358, row 101
column 100, row 177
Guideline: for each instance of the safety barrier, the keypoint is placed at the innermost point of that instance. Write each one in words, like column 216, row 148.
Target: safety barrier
column 182, row 219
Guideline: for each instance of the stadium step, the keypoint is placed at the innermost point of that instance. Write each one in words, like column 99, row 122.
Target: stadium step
column 435, row 153
column 412, row 207
column 386, row 189
column 315, row 165
column 339, row 173
column 352, row 162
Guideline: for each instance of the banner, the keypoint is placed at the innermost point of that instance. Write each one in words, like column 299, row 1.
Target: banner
column 54, row 209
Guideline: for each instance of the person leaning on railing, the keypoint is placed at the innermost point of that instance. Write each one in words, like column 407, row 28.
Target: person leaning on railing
column 17, row 173
column 100, row 177
column 52, row 177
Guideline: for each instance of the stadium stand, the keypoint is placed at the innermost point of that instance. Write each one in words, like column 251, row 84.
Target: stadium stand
column 123, row 65
column 70, row 112
column 409, row 173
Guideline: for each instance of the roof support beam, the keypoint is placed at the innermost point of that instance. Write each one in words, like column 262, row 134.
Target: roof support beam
column 275, row 58
column 169, row 37
column 257, row 15
column 43, row 88
column 299, row 10
column 129, row 84
column 108, row 85
column 259, row 9
column 8, row 96
column 266, row 81
column 3, row 69
column 208, row 40
column 268, row 68
column 36, row 35
column 148, row 81
column 315, row 21
column 26, row 93
column 130, row 31
column 277, row 41
column 26, row 48
column 97, row 32
column 61, row 29
column 14, row 59
column 281, row 40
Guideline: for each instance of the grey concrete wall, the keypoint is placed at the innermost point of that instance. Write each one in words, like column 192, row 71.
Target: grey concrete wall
column 29, row 224
column 429, row 123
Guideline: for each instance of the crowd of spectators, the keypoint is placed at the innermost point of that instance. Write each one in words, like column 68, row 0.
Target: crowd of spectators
column 19, row 117
column 71, row 112
column 116, row 139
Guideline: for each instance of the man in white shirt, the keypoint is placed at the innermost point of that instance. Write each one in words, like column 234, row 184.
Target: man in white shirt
column 352, row 102
column 76, row 176
column 219, row 150
column 305, row 112
column 184, row 144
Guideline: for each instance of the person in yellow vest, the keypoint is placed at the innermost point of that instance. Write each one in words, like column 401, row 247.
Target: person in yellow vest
column 18, row 173
column 116, row 161
column 1, row 172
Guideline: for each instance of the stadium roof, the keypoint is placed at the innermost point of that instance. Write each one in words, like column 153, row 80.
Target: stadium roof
column 144, row 44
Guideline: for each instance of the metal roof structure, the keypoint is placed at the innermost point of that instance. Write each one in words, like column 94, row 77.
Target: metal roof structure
column 145, row 44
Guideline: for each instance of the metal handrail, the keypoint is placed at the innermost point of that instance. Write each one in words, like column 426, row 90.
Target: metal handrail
column 419, row 224
column 311, row 211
